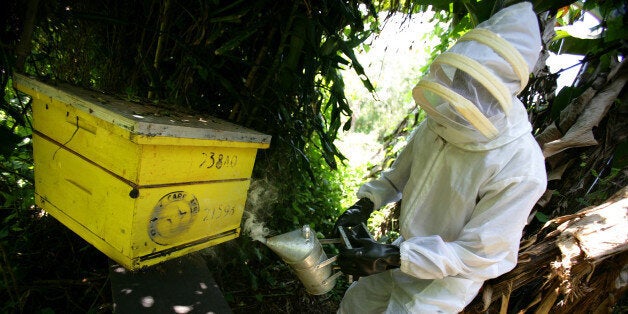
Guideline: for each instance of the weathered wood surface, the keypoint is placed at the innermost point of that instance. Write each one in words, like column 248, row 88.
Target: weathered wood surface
column 576, row 264
column 142, row 118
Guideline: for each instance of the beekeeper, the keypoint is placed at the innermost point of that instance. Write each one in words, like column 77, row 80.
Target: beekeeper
column 469, row 177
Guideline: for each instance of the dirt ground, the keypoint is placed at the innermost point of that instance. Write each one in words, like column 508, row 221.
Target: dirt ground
column 56, row 271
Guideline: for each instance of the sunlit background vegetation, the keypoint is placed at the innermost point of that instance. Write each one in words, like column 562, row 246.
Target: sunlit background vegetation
column 332, row 90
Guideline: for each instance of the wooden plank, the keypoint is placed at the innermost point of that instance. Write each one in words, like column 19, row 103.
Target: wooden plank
column 183, row 285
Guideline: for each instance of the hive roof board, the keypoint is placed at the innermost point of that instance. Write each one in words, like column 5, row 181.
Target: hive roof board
column 145, row 119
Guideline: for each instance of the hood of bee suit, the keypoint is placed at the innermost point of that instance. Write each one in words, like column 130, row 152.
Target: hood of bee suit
column 470, row 91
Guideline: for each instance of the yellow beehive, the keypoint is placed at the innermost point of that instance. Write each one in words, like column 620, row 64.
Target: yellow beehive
column 141, row 184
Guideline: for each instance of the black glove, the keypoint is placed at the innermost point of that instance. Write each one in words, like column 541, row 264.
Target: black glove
column 355, row 215
column 368, row 257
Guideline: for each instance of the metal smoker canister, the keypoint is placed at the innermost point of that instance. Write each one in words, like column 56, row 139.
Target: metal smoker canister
column 302, row 251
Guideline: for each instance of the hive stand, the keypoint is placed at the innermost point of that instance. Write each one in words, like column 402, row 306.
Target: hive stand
column 183, row 285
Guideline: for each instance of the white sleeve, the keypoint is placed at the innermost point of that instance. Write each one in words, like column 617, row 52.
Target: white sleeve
column 388, row 187
column 487, row 245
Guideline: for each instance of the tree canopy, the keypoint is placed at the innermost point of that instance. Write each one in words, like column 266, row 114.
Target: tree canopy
column 275, row 66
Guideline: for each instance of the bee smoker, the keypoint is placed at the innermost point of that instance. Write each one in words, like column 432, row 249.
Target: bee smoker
column 303, row 252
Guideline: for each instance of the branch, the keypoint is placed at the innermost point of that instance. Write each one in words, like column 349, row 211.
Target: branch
column 578, row 260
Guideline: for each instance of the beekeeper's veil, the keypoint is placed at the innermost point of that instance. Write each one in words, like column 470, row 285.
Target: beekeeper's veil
column 472, row 87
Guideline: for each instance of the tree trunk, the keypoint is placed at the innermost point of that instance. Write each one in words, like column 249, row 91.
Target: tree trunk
column 576, row 263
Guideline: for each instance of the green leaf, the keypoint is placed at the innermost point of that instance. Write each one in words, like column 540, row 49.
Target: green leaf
column 347, row 125
column 9, row 140
column 576, row 46
column 620, row 159
column 4, row 232
column 564, row 97
column 541, row 217
column 229, row 297
column 436, row 4
column 560, row 34
column 235, row 42
column 616, row 30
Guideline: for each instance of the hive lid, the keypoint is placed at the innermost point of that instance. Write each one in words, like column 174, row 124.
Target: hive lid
column 149, row 122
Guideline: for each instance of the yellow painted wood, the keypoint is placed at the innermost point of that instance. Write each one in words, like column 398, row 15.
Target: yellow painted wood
column 134, row 231
column 181, row 214
column 108, row 146
column 193, row 160
column 139, row 197
column 94, row 204
column 163, row 164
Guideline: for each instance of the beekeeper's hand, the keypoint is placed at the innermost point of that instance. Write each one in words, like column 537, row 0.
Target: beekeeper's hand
column 368, row 257
column 355, row 215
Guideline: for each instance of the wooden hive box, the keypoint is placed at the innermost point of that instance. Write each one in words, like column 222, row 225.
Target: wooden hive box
column 141, row 184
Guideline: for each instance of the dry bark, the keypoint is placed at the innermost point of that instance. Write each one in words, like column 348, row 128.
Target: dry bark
column 584, row 113
column 576, row 264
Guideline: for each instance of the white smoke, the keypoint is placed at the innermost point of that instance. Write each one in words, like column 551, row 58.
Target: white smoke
column 254, row 228
column 260, row 196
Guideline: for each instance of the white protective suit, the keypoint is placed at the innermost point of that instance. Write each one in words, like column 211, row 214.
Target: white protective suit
column 467, row 191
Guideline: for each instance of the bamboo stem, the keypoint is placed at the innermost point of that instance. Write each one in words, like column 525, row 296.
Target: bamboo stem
column 24, row 47
column 160, row 44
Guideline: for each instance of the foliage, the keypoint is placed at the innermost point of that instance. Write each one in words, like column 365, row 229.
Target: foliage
column 16, row 187
column 396, row 58
column 39, row 257
column 447, row 24
column 592, row 174
column 272, row 66
column 269, row 65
